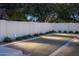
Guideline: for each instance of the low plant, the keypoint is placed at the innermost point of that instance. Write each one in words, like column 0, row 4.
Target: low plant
column 36, row 34
column 53, row 31
column 18, row 38
column 21, row 37
column 70, row 31
column 48, row 32
column 7, row 39
column 42, row 33
column 60, row 31
column 66, row 32
column 29, row 36
column 77, row 32
column 25, row 36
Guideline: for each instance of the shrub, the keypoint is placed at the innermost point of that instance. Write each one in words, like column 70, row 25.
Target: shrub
column 77, row 32
column 59, row 31
column 65, row 31
column 41, row 34
column 70, row 31
column 18, row 38
column 22, row 37
column 29, row 36
column 48, row 32
column 25, row 37
column 53, row 31
column 7, row 39
column 36, row 34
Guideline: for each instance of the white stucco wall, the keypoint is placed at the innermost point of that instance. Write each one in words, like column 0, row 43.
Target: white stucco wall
column 65, row 26
column 15, row 28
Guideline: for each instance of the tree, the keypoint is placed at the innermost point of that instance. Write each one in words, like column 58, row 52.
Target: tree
column 44, row 11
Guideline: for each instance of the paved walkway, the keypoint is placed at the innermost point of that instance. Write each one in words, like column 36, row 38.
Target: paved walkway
column 45, row 45
column 70, row 50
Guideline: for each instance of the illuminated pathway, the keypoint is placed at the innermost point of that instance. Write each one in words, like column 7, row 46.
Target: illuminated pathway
column 70, row 50
column 48, row 44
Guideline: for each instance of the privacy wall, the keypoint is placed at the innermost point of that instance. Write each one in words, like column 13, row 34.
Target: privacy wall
column 17, row 28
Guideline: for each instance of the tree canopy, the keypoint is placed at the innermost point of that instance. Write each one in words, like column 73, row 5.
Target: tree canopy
column 49, row 12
